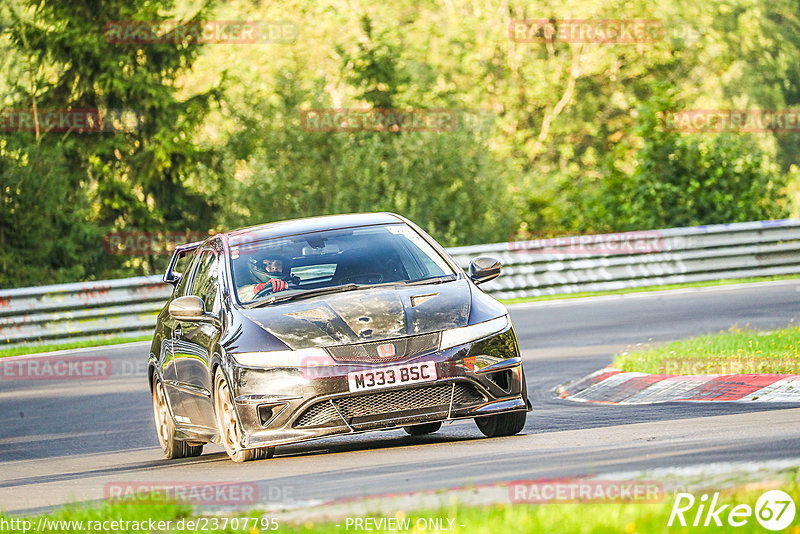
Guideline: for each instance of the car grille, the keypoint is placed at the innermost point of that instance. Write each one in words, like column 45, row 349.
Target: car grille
column 403, row 348
column 320, row 414
column 388, row 405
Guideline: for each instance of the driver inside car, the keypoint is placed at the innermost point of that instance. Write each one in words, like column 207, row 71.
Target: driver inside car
column 268, row 276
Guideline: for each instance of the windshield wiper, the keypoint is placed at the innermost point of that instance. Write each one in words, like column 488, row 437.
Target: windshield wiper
column 433, row 280
column 306, row 293
column 421, row 281
column 348, row 287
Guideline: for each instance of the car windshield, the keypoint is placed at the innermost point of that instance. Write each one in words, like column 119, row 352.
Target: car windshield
column 285, row 268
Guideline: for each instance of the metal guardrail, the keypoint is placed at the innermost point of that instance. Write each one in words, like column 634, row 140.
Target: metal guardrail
column 675, row 255
column 75, row 312
column 128, row 307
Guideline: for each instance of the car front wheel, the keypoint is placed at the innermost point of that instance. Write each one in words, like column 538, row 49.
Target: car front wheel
column 165, row 427
column 228, row 425
column 504, row 424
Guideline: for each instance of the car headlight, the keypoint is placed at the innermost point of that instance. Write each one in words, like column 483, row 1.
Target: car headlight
column 284, row 358
column 459, row 336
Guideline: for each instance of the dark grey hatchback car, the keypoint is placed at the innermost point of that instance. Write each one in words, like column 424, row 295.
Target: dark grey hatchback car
column 327, row 326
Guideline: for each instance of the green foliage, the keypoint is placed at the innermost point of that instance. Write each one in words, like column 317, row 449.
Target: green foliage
column 444, row 181
column 374, row 70
column 687, row 180
column 142, row 178
column 41, row 240
column 573, row 141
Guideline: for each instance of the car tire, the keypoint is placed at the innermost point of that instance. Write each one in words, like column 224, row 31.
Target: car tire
column 505, row 424
column 421, row 430
column 228, row 425
column 165, row 427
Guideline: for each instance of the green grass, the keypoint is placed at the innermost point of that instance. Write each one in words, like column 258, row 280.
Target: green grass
column 737, row 351
column 561, row 518
column 711, row 283
column 34, row 349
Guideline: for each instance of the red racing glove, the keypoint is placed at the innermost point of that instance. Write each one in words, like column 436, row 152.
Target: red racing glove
column 278, row 284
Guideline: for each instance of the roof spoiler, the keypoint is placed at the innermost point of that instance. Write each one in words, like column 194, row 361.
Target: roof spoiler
column 171, row 277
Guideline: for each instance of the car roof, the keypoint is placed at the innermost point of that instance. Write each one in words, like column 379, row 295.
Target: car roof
column 312, row 224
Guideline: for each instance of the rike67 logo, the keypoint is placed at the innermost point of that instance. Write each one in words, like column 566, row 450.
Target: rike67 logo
column 774, row 510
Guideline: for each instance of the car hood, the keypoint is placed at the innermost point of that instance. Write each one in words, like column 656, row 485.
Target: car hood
column 366, row 315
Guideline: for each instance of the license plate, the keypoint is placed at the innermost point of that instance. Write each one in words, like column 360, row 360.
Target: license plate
column 386, row 377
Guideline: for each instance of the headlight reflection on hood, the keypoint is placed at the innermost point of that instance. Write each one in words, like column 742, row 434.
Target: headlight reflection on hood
column 285, row 358
column 459, row 336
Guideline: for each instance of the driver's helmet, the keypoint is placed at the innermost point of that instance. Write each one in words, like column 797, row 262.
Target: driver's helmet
column 267, row 267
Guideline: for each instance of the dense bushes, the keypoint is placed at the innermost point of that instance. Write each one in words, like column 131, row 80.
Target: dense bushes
column 550, row 135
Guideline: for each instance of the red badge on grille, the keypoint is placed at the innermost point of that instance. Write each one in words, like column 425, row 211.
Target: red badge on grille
column 386, row 350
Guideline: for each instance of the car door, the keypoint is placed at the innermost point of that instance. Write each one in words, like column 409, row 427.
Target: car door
column 169, row 370
column 193, row 342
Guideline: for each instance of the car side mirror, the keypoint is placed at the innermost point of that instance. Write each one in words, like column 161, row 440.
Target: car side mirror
column 189, row 308
column 484, row 268
column 172, row 278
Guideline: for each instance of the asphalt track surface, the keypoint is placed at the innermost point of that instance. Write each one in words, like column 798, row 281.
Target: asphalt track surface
column 63, row 441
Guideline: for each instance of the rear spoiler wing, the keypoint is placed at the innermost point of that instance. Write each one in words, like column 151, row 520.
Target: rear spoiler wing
column 171, row 277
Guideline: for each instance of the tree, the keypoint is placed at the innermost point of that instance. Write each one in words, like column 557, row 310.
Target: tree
column 44, row 238
column 153, row 176
column 688, row 179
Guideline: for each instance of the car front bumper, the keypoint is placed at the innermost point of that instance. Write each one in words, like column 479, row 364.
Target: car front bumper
column 284, row 405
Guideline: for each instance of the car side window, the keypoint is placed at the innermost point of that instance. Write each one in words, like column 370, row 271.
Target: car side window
column 185, row 284
column 206, row 281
